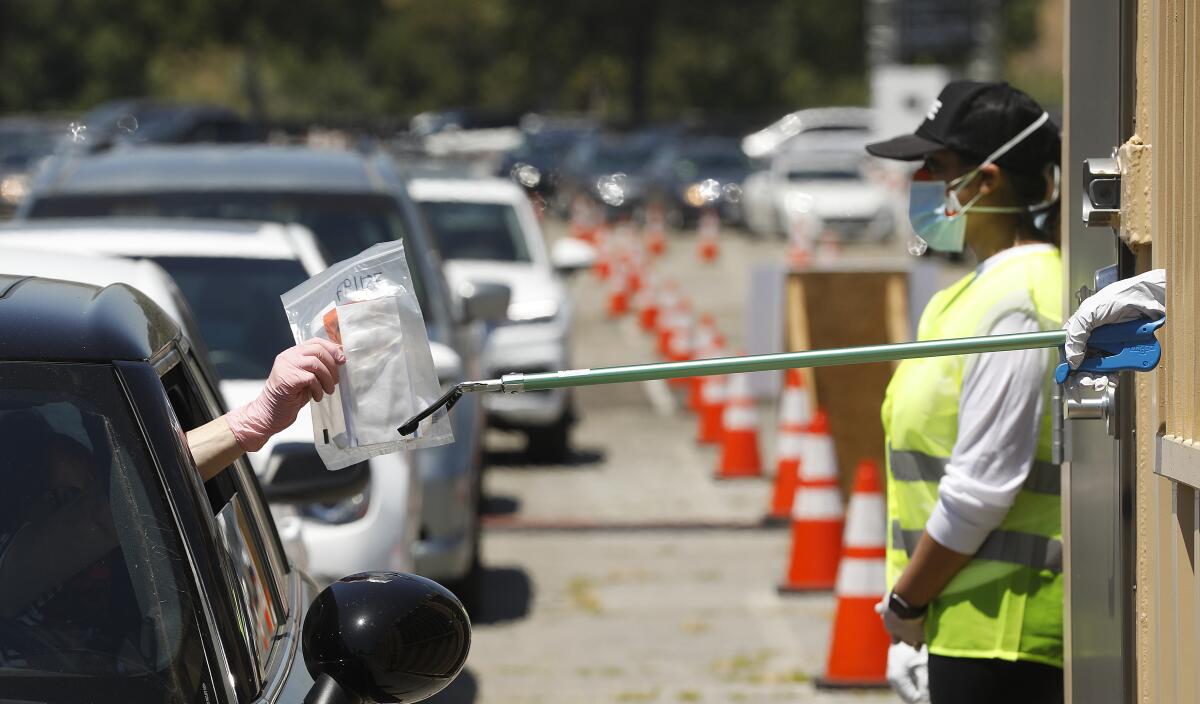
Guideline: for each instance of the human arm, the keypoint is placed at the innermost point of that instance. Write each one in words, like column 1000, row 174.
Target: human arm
column 1000, row 413
column 306, row 371
column 1142, row 296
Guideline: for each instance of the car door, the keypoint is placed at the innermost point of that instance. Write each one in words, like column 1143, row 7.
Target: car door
column 264, row 596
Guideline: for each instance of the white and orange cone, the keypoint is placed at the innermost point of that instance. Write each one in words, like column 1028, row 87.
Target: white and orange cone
column 655, row 230
column 795, row 413
column 817, row 515
column 618, row 299
column 739, row 437
column 859, row 648
column 705, row 347
column 712, row 409
column 708, row 247
column 581, row 225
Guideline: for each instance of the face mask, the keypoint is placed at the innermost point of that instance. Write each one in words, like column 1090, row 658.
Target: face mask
column 934, row 210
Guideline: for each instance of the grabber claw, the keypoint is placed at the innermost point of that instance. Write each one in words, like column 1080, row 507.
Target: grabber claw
column 1120, row 347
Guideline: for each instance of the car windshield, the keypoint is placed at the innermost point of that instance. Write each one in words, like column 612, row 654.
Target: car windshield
column 236, row 304
column 476, row 230
column 619, row 159
column 95, row 604
column 344, row 224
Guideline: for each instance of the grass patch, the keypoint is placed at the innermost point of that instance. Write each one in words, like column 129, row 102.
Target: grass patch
column 649, row 695
column 582, row 593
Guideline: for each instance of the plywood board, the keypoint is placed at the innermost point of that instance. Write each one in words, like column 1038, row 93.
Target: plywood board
column 844, row 309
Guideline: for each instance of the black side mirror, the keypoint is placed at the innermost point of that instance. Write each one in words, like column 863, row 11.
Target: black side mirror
column 383, row 637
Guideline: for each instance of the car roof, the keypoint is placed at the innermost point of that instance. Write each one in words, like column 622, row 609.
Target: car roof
column 163, row 169
column 166, row 237
column 63, row 321
column 467, row 190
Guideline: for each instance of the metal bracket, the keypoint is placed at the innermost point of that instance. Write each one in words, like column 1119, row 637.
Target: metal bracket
column 1102, row 192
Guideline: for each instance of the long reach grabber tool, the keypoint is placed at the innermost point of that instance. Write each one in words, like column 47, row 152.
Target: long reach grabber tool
column 1129, row 346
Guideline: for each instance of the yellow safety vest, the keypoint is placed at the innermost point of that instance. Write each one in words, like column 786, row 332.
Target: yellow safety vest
column 1007, row 602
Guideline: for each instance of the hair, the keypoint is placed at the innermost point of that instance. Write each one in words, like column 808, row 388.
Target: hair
column 1031, row 162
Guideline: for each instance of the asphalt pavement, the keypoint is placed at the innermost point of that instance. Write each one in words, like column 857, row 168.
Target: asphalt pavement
column 628, row 574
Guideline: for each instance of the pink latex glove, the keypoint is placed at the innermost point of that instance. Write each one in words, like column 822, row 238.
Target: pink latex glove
column 308, row 370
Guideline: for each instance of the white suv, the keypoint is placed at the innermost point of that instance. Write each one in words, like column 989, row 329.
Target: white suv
column 487, row 232
column 231, row 275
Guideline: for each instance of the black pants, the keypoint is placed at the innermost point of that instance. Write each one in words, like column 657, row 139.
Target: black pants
column 980, row 681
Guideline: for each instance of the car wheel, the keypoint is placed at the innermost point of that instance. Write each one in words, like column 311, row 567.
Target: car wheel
column 551, row 443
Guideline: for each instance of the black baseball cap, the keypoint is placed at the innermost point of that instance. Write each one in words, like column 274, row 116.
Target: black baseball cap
column 976, row 118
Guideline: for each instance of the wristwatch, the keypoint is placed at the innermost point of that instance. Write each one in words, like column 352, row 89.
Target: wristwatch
column 903, row 609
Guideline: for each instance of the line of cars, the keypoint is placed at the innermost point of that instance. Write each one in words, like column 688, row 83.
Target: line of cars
column 216, row 233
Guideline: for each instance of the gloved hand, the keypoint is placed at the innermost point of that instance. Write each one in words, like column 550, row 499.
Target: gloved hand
column 908, row 672
column 905, row 630
column 1142, row 296
column 308, row 370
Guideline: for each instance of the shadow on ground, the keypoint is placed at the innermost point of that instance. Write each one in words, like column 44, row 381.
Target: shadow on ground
column 505, row 595
column 500, row 505
column 463, row 690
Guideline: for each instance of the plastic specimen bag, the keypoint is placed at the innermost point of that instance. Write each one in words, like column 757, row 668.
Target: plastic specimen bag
column 367, row 304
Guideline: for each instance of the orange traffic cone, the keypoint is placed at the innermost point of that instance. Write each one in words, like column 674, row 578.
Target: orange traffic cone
column 705, row 346
column 817, row 515
column 858, row 652
column 618, row 299
column 647, row 302
column 707, row 247
column 739, row 439
column 795, row 413
column 712, row 409
column 800, row 227
column 679, row 340
column 655, row 231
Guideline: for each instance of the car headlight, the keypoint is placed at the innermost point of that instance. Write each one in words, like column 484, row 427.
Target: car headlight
column 533, row 311
column 13, row 188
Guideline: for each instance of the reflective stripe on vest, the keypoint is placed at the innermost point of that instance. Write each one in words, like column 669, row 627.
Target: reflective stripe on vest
column 909, row 466
column 1025, row 549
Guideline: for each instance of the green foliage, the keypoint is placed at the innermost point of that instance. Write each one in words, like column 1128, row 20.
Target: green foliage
column 620, row 59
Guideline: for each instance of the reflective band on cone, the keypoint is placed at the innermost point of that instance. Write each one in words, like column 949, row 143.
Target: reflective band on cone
column 817, row 515
column 795, row 412
column 859, row 647
column 712, row 409
column 739, row 441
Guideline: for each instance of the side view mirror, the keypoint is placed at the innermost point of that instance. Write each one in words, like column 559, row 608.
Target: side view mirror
column 569, row 255
column 446, row 362
column 383, row 637
column 485, row 301
column 301, row 477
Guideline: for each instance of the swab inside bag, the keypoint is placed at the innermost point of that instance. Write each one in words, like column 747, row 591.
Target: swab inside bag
column 368, row 305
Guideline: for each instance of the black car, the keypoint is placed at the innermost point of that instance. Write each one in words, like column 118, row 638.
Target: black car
column 608, row 170
column 146, row 121
column 544, row 150
column 675, row 179
column 124, row 578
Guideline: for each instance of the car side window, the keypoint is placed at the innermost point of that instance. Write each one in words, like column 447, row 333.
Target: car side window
column 254, row 575
column 96, row 600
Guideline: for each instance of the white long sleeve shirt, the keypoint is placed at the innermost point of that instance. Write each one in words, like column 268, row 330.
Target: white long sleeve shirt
column 999, row 419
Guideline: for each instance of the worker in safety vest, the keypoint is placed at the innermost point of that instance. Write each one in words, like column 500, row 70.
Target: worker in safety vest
column 974, row 523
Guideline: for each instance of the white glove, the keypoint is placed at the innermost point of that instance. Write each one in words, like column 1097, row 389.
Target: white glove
column 908, row 672
column 1142, row 296
column 905, row 630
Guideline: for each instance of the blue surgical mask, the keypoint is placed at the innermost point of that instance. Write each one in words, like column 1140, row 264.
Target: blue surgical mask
column 934, row 210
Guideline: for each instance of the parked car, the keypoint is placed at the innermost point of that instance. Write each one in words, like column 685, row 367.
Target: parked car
column 607, row 169
column 24, row 141
column 829, row 186
column 350, row 201
column 675, row 179
column 222, row 282
column 545, row 143
column 148, row 121
column 124, row 578
column 487, row 232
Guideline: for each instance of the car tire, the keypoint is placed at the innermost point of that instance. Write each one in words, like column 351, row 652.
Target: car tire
column 551, row 443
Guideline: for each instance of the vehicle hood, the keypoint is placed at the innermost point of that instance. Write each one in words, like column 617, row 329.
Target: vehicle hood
column 838, row 199
column 528, row 282
column 238, row 392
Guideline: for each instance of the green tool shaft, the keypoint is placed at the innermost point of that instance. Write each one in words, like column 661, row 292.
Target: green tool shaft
column 787, row 360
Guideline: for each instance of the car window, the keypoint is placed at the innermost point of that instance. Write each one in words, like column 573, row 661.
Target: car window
column 95, row 599
column 487, row 231
column 254, row 578
column 236, row 304
column 344, row 224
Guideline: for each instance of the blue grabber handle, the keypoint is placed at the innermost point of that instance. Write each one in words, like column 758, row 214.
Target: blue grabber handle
column 1120, row 347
